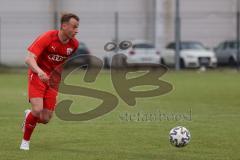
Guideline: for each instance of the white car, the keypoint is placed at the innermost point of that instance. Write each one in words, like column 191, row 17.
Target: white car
column 192, row 55
column 226, row 53
column 140, row 53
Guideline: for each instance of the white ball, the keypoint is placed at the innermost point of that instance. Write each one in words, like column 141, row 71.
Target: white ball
column 179, row 136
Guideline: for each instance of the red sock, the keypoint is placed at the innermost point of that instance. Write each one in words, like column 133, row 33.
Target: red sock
column 31, row 122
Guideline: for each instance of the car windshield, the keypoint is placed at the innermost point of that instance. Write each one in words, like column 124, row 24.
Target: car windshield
column 187, row 45
column 234, row 44
column 197, row 46
column 143, row 46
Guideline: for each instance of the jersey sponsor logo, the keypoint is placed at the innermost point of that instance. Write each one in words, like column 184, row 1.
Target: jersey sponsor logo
column 54, row 48
column 56, row 58
column 69, row 51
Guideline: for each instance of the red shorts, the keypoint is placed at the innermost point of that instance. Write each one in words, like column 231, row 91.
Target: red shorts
column 39, row 89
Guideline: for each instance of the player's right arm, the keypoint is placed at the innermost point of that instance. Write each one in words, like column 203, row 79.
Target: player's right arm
column 34, row 51
column 32, row 63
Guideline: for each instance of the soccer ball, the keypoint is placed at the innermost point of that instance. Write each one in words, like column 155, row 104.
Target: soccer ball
column 179, row 136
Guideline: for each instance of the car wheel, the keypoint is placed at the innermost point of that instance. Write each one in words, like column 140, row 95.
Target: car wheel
column 182, row 63
column 162, row 61
column 106, row 63
column 232, row 62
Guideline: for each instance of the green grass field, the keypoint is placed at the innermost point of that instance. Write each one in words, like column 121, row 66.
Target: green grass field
column 212, row 97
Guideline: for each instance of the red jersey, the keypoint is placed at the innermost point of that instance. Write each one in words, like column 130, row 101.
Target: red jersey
column 50, row 51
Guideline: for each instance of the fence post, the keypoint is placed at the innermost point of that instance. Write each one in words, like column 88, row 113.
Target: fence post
column 177, row 35
column 238, row 34
column 116, row 24
column 0, row 40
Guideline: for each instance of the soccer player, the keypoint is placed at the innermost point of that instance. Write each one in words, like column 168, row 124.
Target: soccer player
column 47, row 52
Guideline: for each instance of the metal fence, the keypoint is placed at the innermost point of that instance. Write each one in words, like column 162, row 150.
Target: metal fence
column 209, row 22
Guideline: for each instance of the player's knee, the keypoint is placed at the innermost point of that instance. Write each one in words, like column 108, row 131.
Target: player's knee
column 37, row 111
column 37, row 105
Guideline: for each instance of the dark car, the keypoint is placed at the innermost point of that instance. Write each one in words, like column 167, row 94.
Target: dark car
column 80, row 58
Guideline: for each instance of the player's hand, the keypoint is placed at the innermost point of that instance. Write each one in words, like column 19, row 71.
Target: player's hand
column 43, row 76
